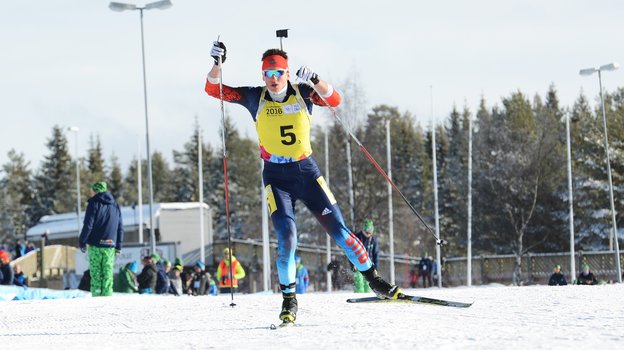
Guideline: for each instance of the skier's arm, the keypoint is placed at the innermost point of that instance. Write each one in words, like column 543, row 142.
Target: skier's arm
column 321, row 87
column 246, row 96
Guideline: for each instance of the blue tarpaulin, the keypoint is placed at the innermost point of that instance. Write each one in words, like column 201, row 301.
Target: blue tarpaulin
column 21, row 293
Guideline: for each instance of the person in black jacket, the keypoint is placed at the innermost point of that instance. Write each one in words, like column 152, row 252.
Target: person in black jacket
column 103, row 233
column 586, row 277
column 147, row 277
column 201, row 279
column 424, row 269
column 557, row 278
column 162, row 277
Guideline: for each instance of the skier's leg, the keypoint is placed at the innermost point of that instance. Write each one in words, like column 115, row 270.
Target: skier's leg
column 281, row 208
column 321, row 202
column 95, row 270
column 108, row 263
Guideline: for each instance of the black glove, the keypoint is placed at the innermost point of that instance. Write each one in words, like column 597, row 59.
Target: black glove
column 218, row 50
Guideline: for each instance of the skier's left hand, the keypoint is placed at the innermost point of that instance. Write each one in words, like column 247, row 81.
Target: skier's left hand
column 306, row 74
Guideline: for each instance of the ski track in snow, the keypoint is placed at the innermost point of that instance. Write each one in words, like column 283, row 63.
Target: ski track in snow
column 535, row 317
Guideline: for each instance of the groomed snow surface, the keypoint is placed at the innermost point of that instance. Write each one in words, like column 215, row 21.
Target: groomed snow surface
column 535, row 317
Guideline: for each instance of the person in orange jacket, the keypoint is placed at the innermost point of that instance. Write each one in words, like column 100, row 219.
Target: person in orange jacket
column 223, row 272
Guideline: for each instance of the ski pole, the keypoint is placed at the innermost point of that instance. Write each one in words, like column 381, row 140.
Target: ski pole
column 381, row 171
column 225, row 177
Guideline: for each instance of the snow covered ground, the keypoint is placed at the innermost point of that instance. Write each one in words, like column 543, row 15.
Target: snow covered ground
column 536, row 317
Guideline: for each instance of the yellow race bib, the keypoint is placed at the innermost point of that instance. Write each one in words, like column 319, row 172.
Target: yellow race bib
column 283, row 130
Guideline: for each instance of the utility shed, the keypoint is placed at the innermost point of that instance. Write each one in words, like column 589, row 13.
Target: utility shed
column 173, row 222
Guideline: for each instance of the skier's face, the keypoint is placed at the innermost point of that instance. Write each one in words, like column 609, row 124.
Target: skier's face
column 276, row 79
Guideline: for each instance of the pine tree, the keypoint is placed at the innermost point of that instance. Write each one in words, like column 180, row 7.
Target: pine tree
column 115, row 181
column 54, row 180
column 185, row 174
column 549, row 228
column 17, row 189
column 453, row 183
column 95, row 159
column 591, row 196
column 161, row 179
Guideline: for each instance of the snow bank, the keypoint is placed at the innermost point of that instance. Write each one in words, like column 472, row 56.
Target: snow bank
column 536, row 317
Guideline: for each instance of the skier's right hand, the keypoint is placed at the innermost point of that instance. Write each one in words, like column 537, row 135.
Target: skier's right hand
column 218, row 50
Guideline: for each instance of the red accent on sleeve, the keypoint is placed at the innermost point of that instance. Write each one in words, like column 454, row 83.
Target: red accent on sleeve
column 333, row 100
column 229, row 94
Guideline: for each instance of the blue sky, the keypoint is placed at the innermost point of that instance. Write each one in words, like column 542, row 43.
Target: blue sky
column 77, row 63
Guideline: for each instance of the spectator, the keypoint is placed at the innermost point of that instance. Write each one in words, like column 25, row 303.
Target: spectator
column 147, row 277
column 103, row 233
column 85, row 281
column 19, row 250
column 4, row 246
column 213, row 290
column 413, row 278
column 424, row 269
column 19, row 278
column 30, row 246
column 6, row 271
column 302, row 278
column 227, row 285
column 202, row 280
column 586, row 277
column 370, row 243
column 162, row 277
column 175, row 284
column 126, row 281
column 557, row 278
column 187, row 282
column 334, row 268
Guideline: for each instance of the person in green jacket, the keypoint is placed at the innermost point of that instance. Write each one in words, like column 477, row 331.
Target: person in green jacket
column 126, row 279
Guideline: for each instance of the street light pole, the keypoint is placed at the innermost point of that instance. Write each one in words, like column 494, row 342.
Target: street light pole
column 570, row 198
column 589, row 71
column 164, row 4
column 75, row 130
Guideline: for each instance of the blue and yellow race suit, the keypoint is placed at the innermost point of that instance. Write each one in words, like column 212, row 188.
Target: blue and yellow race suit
column 291, row 173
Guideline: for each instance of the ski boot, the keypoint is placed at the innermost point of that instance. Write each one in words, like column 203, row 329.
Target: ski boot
column 289, row 308
column 383, row 289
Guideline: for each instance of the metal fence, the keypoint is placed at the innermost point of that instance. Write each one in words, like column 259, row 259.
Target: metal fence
column 536, row 268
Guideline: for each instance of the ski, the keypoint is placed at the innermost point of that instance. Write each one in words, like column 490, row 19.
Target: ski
column 404, row 298
column 284, row 324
